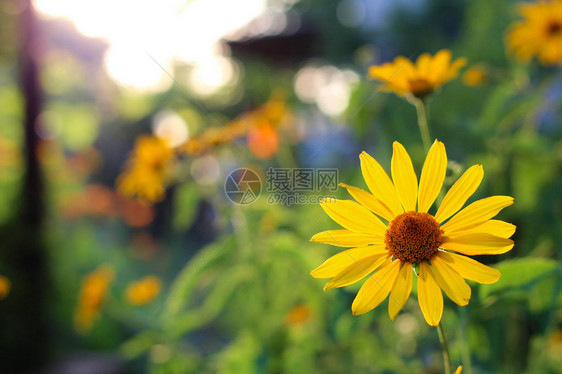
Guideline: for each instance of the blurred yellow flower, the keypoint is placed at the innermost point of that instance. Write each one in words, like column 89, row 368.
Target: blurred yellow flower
column 458, row 371
column 539, row 33
column 429, row 73
column 92, row 295
column 298, row 315
column 260, row 125
column 147, row 170
column 475, row 76
column 413, row 236
column 143, row 291
column 5, row 286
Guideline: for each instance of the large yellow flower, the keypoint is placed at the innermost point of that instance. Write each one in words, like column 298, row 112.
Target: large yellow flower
column 412, row 235
column 539, row 33
column 404, row 78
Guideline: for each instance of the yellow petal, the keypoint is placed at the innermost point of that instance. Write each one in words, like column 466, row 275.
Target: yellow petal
column 380, row 184
column 346, row 238
column 441, row 61
column 338, row 262
column 376, row 288
column 453, row 70
column 383, row 72
column 492, row 227
column 353, row 216
column 460, row 192
column 423, row 64
column 469, row 268
column 450, row 281
column 400, row 290
column 477, row 244
column 458, row 371
column 368, row 200
column 429, row 296
column 476, row 213
column 358, row 270
column 404, row 69
column 433, row 174
column 404, row 177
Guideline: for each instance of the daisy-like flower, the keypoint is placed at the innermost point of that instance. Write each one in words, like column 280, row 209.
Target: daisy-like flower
column 539, row 33
column 429, row 73
column 437, row 242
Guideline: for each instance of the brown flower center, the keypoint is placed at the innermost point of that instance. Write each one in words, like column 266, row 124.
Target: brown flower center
column 413, row 237
column 420, row 87
column 554, row 28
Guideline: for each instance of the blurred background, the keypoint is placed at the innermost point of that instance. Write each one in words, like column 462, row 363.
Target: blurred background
column 120, row 251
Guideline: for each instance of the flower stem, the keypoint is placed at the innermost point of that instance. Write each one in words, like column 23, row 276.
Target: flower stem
column 467, row 364
column 421, row 110
column 445, row 346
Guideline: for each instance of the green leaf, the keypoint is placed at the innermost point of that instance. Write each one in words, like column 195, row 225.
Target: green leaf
column 138, row 344
column 185, row 282
column 520, row 273
column 187, row 197
column 213, row 303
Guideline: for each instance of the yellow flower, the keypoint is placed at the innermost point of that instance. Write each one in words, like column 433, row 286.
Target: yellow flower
column 459, row 370
column 147, row 170
column 143, row 291
column 259, row 125
column 5, row 286
column 413, row 236
column 539, row 33
column 92, row 295
column 404, row 78
column 475, row 76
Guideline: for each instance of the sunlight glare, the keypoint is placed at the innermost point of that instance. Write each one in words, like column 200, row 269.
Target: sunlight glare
column 170, row 30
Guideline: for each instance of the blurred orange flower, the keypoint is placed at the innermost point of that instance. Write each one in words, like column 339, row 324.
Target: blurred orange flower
column 95, row 200
column 429, row 73
column 136, row 213
column 143, row 291
column 259, row 125
column 5, row 286
column 94, row 288
column 143, row 246
column 263, row 141
column 539, row 33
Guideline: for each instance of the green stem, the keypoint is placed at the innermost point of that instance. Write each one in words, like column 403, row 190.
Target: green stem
column 445, row 346
column 421, row 110
column 467, row 364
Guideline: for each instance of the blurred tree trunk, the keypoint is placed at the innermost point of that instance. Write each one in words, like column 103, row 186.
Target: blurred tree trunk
column 24, row 328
